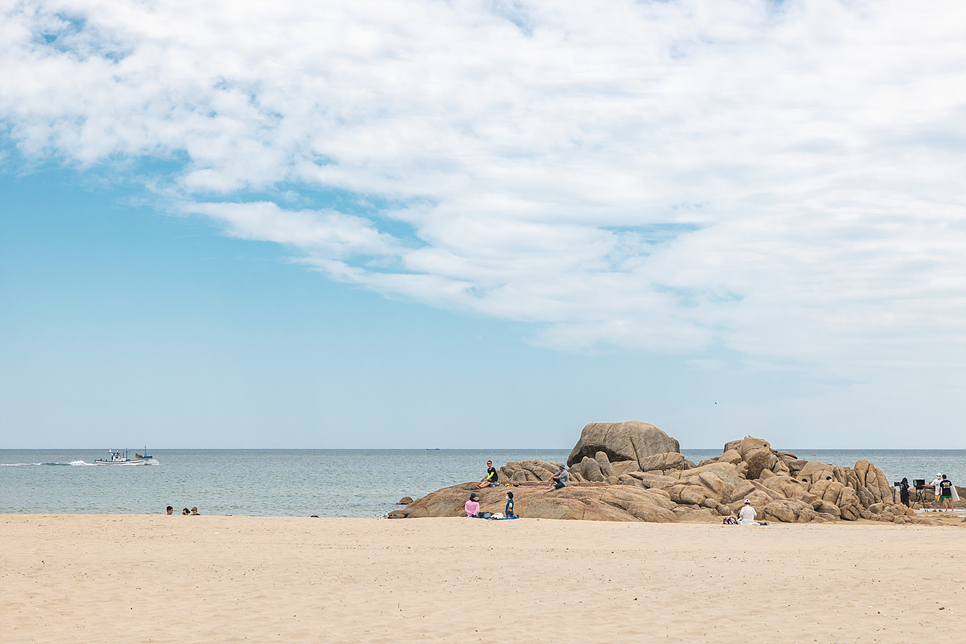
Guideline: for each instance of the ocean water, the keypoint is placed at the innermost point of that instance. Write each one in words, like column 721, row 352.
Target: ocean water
column 328, row 483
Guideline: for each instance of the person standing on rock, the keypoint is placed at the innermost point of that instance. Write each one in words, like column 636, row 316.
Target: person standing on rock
column 748, row 514
column 491, row 477
column 560, row 479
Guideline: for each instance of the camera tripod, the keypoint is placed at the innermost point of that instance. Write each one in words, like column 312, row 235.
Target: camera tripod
column 920, row 497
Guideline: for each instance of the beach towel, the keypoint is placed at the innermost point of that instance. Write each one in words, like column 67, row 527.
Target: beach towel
column 501, row 518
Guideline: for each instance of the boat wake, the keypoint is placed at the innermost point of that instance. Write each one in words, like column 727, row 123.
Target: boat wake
column 70, row 464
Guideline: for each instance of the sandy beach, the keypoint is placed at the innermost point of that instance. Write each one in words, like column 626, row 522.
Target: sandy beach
column 97, row 578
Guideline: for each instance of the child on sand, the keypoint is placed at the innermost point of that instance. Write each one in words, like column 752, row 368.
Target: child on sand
column 509, row 505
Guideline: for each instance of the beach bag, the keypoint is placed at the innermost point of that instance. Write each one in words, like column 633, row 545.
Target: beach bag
column 730, row 521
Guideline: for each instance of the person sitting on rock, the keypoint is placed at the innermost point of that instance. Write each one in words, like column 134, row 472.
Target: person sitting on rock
column 748, row 514
column 560, row 479
column 491, row 477
column 473, row 506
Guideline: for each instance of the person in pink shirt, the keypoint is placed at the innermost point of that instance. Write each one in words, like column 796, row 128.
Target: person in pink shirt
column 473, row 506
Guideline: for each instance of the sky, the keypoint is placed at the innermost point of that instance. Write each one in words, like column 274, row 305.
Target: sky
column 481, row 224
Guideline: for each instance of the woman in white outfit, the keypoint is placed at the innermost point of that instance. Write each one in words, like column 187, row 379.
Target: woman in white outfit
column 748, row 514
column 936, row 484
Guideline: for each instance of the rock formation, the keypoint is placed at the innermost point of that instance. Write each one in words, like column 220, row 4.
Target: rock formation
column 617, row 476
column 629, row 441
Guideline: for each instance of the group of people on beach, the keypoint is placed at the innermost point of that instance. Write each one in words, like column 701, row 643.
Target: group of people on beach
column 944, row 493
column 472, row 507
column 193, row 512
column 492, row 479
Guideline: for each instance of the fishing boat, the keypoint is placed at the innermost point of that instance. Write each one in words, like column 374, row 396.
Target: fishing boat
column 117, row 457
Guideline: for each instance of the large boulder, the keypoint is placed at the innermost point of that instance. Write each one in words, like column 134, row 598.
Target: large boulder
column 621, row 468
column 814, row 471
column 627, row 441
column 654, row 481
column 724, row 471
column 756, row 452
column 532, row 470
column 623, row 499
column 668, row 461
column 604, row 463
column 731, row 456
column 721, row 490
column 689, row 494
column 720, row 480
column 589, row 469
column 789, row 511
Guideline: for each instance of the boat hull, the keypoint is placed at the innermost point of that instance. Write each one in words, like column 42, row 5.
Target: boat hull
column 133, row 461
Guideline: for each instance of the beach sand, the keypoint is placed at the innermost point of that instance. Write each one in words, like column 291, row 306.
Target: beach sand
column 163, row 579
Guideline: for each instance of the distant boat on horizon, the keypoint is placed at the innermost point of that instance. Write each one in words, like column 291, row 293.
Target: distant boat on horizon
column 121, row 458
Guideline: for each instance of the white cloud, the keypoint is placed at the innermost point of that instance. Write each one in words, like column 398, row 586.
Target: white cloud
column 782, row 179
column 326, row 233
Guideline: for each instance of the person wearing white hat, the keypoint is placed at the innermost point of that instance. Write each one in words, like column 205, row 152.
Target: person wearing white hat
column 748, row 514
column 936, row 484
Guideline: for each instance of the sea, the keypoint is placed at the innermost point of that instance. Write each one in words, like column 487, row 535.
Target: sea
column 325, row 483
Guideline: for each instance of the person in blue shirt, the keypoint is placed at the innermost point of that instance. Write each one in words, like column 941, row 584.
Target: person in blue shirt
column 509, row 505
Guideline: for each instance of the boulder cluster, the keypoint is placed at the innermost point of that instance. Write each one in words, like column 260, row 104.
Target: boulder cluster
column 635, row 472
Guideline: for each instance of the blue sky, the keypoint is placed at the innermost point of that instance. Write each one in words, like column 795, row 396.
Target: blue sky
column 119, row 320
column 353, row 225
